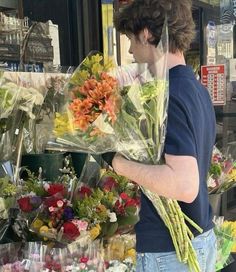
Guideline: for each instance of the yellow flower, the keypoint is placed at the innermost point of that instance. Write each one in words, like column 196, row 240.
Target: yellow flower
column 96, row 58
column 108, row 63
column 233, row 248
column 37, row 224
column 43, row 229
column 232, row 174
column 79, row 77
column 95, row 231
column 131, row 253
column 62, row 124
column 96, row 68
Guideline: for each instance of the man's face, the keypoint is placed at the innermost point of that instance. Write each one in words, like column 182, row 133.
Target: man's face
column 139, row 49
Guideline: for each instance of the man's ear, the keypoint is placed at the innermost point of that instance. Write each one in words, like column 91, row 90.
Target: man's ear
column 145, row 36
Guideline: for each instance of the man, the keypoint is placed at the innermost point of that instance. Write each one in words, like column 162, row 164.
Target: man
column 189, row 140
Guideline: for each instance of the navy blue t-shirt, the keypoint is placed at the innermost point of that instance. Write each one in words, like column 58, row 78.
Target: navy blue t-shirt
column 190, row 132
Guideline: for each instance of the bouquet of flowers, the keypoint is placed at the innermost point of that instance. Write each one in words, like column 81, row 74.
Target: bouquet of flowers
column 225, row 242
column 57, row 212
column 120, row 254
column 125, row 110
column 232, row 226
column 109, row 208
column 222, row 173
column 8, row 193
column 47, row 207
column 93, row 97
column 20, row 106
column 8, row 98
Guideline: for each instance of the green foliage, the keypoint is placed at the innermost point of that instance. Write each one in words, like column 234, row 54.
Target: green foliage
column 87, row 208
column 127, row 220
column 215, row 169
column 32, row 184
column 5, row 98
column 7, row 189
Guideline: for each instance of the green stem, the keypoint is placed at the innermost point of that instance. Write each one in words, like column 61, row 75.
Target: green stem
column 191, row 222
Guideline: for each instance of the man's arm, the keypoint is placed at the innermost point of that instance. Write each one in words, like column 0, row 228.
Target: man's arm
column 177, row 179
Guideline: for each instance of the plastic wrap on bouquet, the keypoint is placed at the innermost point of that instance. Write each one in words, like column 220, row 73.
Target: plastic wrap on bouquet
column 10, row 257
column 28, row 99
column 9, row 97
column 120, row 253
column 87, row 257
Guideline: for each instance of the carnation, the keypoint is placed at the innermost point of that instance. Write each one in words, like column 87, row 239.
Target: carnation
column 24, row 204
column 71, row 231
column 56, row 188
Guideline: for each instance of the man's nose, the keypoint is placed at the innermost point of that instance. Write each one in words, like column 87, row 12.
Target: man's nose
column 130, row 51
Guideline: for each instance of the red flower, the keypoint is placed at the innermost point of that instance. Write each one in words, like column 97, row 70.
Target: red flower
column 119, row 208
column 56, row 188
column 131, row 202
column 84, row 260
column 51, row 201
column 108, row 184
column 25, row 204
column 71, row 232
column 124, row 196
column 84, row 191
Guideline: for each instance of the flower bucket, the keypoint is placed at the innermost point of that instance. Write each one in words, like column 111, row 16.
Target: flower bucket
column 215, row 201
column 49, row 162
column 78, row 161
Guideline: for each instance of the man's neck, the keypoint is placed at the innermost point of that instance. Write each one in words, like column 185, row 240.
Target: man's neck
column 175, row 59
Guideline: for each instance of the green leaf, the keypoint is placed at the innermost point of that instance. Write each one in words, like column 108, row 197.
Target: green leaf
column 128, row 220
column 111, row 229
column 130, row 210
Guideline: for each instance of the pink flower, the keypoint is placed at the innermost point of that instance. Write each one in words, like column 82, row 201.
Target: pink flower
column 60, row 203
column 81, row 225
column 52, row 209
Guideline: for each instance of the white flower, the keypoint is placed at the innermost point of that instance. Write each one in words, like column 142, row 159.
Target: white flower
column 46, row 186
column 112, row 217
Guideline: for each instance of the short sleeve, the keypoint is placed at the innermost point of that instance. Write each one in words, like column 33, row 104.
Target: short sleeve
column 180, row 138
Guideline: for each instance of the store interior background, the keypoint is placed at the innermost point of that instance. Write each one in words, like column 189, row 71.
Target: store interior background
column 73, row 28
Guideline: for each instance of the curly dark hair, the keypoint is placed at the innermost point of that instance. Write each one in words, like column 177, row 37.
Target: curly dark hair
column 150, row 14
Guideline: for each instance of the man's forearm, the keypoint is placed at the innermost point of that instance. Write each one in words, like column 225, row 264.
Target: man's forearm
column 160, row 179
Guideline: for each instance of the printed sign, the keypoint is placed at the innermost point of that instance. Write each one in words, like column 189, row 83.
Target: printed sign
column 213, row 78
column 232, row 70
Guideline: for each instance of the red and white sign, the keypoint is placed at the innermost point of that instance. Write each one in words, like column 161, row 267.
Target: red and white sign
column 213, row 78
